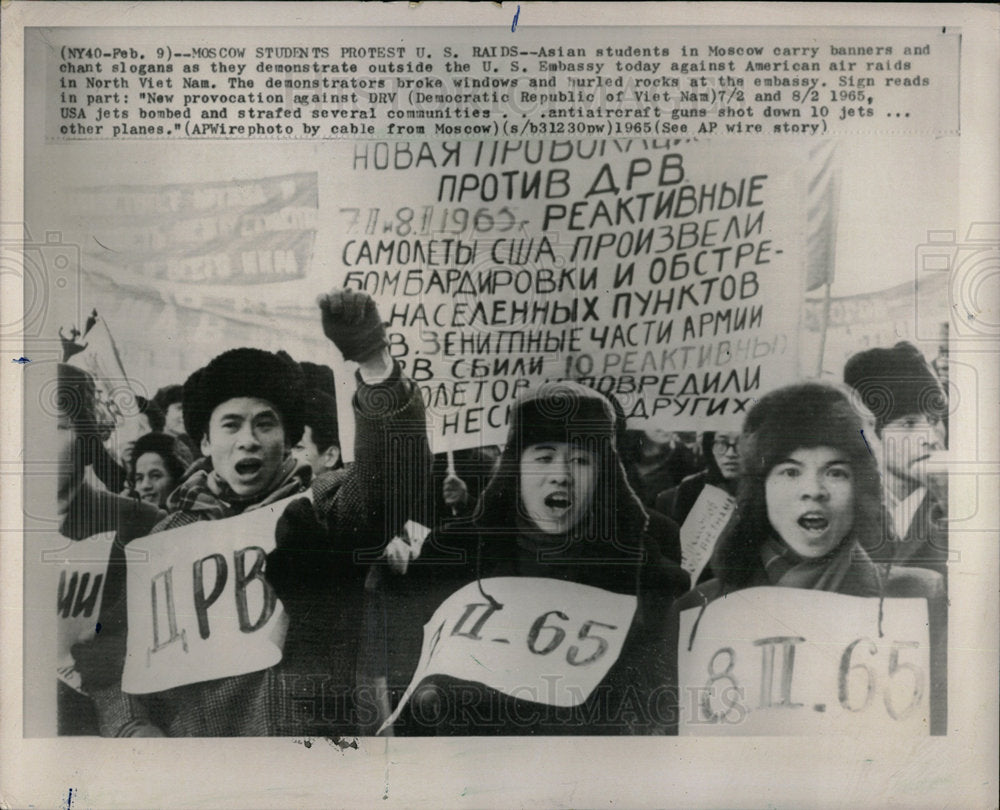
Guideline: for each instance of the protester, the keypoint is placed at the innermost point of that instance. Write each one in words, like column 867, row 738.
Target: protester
column 723, row 465
column 909, row 403
column 319, row 447
column 809, row 501
column 86, row 510
column 662, row 462
column 160, row 461
column 170, row 400
column 558, row 506
column 245, row 409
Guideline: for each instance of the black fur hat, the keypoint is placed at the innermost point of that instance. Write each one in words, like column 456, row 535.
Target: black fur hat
column 896, row 382
column 256, row 373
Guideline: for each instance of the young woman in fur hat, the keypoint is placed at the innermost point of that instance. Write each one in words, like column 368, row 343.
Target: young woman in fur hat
column 809, row 502
column 558, row 507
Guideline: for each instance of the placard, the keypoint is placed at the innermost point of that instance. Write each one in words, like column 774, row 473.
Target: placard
column 711, row 516
column 770, row 661
column 79, row 572
column 543, row 640
column 200, row 608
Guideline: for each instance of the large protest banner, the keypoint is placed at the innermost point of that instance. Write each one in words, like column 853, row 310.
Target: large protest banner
column 766, row 661
column 200, row 608
column 639, row 267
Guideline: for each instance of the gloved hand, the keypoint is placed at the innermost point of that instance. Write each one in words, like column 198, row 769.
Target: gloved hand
column 351, row 321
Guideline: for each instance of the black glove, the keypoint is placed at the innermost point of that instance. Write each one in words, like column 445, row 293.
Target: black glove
column 351, row 321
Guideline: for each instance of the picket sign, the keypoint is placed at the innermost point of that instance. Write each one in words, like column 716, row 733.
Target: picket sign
column 78, row 575
column 549, row 641
column 784, row 661
column 199, row 607
column 712, row 516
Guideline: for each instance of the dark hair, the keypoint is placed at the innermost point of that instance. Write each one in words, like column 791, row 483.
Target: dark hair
column 798, row 416
column 255, row 373
column 318, row 377
column 169, row 395
column 320, row 416
column 176, row 457
column 153, row 412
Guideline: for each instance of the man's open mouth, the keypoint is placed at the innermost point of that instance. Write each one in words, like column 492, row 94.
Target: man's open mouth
column 814, row 522
column 248, row 466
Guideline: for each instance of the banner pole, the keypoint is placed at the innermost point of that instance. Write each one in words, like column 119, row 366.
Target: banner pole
column 822, row 336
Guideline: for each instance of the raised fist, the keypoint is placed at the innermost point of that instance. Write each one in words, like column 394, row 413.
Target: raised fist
column 352, row 322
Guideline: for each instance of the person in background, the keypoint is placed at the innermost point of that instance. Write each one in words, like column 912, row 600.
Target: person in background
column 722, row 451
column 86, row 510
column 146, row 417
column 809, row 502
column 558, row 506
column 170, row 400
column 662, row 462
column 319, row 447
column 909, row 403
column 160, row 461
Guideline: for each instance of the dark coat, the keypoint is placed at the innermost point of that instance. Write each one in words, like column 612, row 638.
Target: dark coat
column 322, row 550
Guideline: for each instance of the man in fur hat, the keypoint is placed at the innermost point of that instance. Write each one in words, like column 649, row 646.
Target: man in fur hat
column 246, row 411
column 909, row 403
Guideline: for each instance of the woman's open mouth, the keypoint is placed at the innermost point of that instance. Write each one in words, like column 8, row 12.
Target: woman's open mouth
column 814, row 522
column 558, row 501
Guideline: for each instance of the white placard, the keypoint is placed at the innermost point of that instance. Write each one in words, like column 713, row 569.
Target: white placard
column 780, row 661
column 710, row 517
column 549, row 642
column 79, row 576
column 200, row 607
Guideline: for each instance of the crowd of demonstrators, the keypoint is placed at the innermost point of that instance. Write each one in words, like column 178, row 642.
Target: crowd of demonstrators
column 572, row 496
column 246, row 411
column 87, row 508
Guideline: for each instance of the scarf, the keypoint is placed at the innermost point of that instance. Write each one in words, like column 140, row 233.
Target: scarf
column 207, row 494
column 846, row 570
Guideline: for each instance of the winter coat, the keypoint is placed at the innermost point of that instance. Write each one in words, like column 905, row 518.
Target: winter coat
column 620, row 558
column 350, row 508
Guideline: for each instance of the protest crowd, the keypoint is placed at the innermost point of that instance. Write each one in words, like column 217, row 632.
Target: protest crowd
column 383, row 573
